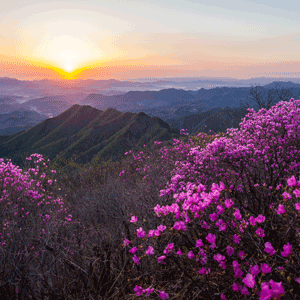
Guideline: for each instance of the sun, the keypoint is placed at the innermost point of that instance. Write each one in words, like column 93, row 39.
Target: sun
column 66, row 53
column 68, row 59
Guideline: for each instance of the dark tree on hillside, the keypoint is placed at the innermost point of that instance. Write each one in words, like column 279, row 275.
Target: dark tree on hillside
column 283, row 94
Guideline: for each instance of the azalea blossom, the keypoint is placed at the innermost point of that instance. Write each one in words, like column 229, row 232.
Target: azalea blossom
column 126, row 242
column 249, row 280
column 133, row 219
column 161, row 259
column 150, row 251
column 140, row 233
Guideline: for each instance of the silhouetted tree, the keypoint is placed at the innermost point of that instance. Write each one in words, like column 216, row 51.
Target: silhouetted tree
column 284, row 94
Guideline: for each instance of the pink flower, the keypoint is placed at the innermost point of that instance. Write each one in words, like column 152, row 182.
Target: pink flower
column 213, row 217
column 222, row 264
column 286, row 196
column 292, row 181
column 229, row 250
column 161, row 228
column 236, row 239
column 277, row 288
column 280, row 210
column 287, row 250
column 269, row 248
column 150, row 251
column 151, row 233
column 238, row 273
column 244, row 291
column 140, row 233
column 163, row 295
column 260, row 232
column 249, row 280
column 203, row 270
column 265, row 268
column 220, row 209
column 133, row 250
column 266, row 293
column 161, row 259
column 297, row 279
column 260, row 218
column 133, row 219
column 179, row 252
column 199, row 243
column 211, row 238
column 297, row 206
column 237, row 214
column 136, row 259
column 156, row 232
column 235, row 287
column 169, row 248
column 254, row 270
column 228, row 203
column 180, row 225
column 138, row 290
column 218, row 257
column 235, row 264
column 191, row 255
column 126, row 242
column 296, row 193
column 252, row 221
column 148, row 291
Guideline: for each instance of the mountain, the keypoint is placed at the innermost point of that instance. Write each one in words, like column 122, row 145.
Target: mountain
column 50, row 105
column 216, row 119
column 283, row 84
column 19, row 120
column 140, row 100
column 85, row 131
column 158, row 103
column 9, row 82
column 223, row 96
column 175, row 111
column 10, row 99
column 166, row 104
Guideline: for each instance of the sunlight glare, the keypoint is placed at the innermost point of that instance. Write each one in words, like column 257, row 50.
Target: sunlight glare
column 69, row 57
column 67, row 52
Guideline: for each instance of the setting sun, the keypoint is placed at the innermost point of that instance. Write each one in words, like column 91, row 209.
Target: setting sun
column 66, row 52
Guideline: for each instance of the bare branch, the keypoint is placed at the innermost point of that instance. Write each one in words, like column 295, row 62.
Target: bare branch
column 256, row 95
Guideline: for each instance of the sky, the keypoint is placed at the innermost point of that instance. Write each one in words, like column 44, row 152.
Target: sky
column 120, row 39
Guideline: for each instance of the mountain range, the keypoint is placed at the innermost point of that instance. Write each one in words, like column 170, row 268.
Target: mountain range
column 87, row 132
column 19, row 120
column 175, row 106
column 97, row 126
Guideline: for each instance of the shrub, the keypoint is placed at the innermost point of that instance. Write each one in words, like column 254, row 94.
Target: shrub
column 204, row 248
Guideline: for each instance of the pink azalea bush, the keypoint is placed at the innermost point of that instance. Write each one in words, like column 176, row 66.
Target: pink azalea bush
column 241, row 238
column 26, row 202
column 31, row 217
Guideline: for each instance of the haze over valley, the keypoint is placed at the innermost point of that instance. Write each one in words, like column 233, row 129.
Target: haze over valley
column 47, row 99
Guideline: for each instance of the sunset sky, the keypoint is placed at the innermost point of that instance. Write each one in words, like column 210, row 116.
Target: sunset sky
column 127, row 39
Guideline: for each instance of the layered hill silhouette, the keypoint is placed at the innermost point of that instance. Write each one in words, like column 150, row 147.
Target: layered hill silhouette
column 216, row 119
column 87, row 132
column 19, row 120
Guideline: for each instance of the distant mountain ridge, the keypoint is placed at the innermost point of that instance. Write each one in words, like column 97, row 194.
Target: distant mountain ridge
column 19, row 120
column 87, row 132
column 202, row 99
column 216, row 119
column 167, row 104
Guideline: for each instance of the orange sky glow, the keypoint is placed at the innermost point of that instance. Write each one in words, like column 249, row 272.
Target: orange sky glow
column 126, row 40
